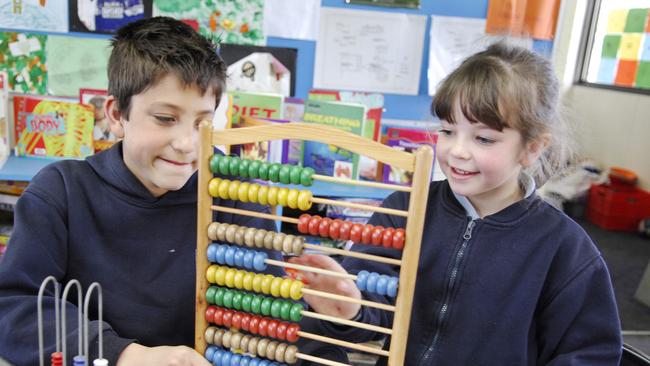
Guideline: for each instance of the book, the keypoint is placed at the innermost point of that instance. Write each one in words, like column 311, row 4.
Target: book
column 52, row 127
column 103, row 138
column 259, row 105
column 407, row 140
column 4, row 120
column 329, row 159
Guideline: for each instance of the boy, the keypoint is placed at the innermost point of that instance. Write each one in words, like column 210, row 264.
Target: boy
column 126, row 217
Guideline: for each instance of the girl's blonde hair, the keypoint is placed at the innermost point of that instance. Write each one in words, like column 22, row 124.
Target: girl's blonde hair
column 510, row 87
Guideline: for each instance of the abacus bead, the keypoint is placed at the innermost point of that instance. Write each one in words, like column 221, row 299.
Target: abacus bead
column 362, row 278
column 227, row 299
column 209, row 294
column 210, row 273
column 298, row 245
column 225, row 359
column 259, row 261
column 275, row 286
column 239, row 235
column 227, row 318
column 284, row 174
column 225, row 340
column 344, row 232
column 254, row 169
column 243, row 343
column 212, row 252
column 256, row 304
column 377, row 235
column 268, row 239
column 252, row 346
column 285, row 287
column 217, row 356
column 263, row 170
column 214, row 163
column 264, row 323
column 248, row 259
column 261, row 347
column 209, row 352
column 355, row 232
column 248, row 281
column 212, row 230
column 391, row 289
column 220, row 276
column 213, row 187
column 230, row 255
column 230, row 277
column 306, row 176
column 382, row 284
column 257, row 282
column 274, row 170
column 243, row 168
column 235, row 340
column 283, row 193
column 265, row 307
column 324, row 227
column 313, row 225
column 236, row 320
column 218, row 295
column 233, row 167
column 235, row 359
column 221, row 231
column 252, row 192
column 262, row 195
column 290, row 354
column 224, row 165
column 249, row 237
column 230, row 233
column 209, row 314
column 254, row 324
column 287, row 243
column 218, row 316
column 220, row 254
column 398, row 239
column 304, row 200
column 292, row 332
column 242, row 192
column 218, row 336
column 266, row 284
column 279, row 352
column 334, row 228
column 294, row 174
column 292, row 198
column 371, row 284
column 254, row 361
column 387, row 238
column 259, row 238
column 270, row 349
column 239, row 260
column 271, row 328
column 296, row 290
column 281, row 331
column 285, row 309
column 295, row 314
column 276, row 305
column 272, row 197
column 366, row 234
column 233, row 189
column 237, row 300
column 303, row 223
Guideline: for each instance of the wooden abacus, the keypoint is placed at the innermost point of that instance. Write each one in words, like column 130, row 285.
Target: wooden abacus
column 227, row 295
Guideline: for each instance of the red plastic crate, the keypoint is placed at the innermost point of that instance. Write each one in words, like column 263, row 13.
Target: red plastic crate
column 617, row 206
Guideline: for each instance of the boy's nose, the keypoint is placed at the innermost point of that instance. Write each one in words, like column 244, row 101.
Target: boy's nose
column 185, row 139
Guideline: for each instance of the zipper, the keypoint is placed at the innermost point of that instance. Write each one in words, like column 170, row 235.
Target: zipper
column 444, row 309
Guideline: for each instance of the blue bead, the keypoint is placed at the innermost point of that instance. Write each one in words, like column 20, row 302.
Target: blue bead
column 235, row 360
column 209, row 352
column 79, row 361
column 265, row 363
column 225, row 359
column 216, row 358
column 254, row 362
column 371, row 285
column 248, row 259
column 212, row 253
column 239, row 257
column 220, row 256
column 382, row 283
column 244, row 361
column 391, row 289
column 259, row 261
column 230, row 256
column 362, row 277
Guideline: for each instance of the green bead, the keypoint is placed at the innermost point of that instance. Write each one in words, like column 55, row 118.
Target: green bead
column 233, row 167
column 274, row 170
column 305, row 176
column 285, row 170
column 243, row 168
column 266, row 306
column 275, row 308
column 294, row 174
column 218, row 296
column 227, row 299
column 254, row 169
column 236, row 300
column 285, row 310
column 224, row 165
column 246, row 303
column 263, row 171
column 296, row 312
column 214, row 163
column 209, row 294
column 256, row 303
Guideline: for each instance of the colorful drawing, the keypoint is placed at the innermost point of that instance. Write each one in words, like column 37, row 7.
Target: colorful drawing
column 22, row 55
column 35, row 14
column 230, row 21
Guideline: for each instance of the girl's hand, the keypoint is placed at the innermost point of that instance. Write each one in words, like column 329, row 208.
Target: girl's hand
column 325, row 283
column 139, row 355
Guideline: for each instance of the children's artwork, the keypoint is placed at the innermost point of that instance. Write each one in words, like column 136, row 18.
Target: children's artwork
column 52, row 127
column 76, row 63
column 103, row 138
column 34, row 14
column 106, row 16
column 22, row 56
column 259, row 72
column 527, row 18
column 230, row 21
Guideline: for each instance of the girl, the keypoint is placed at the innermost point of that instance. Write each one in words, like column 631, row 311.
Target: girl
column 504, row 278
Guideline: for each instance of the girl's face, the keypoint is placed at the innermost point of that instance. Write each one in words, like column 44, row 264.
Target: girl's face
column 481, row 163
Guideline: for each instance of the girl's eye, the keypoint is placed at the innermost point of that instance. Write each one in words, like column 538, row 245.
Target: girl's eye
column 484, row 140
column 164, row 119
column 444, row 132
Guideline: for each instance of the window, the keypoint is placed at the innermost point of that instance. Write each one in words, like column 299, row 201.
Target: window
column 617, row 48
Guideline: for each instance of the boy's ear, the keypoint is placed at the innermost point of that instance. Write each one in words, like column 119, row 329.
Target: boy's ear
column 534, row 149
column 114, row 116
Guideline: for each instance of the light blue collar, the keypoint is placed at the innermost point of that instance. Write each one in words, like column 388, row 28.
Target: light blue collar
column 526, row 181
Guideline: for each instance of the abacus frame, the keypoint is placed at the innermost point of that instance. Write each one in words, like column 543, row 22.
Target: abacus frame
column 419, row 163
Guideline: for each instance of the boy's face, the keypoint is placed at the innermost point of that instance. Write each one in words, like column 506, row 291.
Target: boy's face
column 160, row 135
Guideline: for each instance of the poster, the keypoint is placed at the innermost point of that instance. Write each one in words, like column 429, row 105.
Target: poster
column 22, row 56
column 106, row 16
column 34, row 14
column 523, row 18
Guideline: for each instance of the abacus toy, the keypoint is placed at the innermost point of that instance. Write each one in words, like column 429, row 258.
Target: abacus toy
column 248, row 318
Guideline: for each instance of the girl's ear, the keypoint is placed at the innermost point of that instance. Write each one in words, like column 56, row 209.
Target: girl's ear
column 114, row 116
column 534, row 149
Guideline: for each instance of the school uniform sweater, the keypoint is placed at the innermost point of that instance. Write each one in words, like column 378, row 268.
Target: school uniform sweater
column 93, row 220
column 524, row 286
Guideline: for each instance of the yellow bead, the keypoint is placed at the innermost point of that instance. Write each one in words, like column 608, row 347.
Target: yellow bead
column 242, row 194
column 233, row 189
column 275, row 286
column 292, row 198
column 296, row 290
column 263, row 195
column 239, row 279
column 266, row 284
column 252, row 192
column 223, row 189
column 257, row 282
column 220, row 276
column 230, row 277
column 272, row 198
column 285, row 288
column 248, row 281
column 213, row 187
column 282, row 196
column 304, row 200
column 209, row 274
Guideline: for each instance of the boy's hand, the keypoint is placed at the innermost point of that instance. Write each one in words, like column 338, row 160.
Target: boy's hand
column 139, row 355
column 322, row 282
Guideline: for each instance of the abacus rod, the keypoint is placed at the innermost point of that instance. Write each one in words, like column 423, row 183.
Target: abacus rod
column 393, row 187
column 338, row 342
column 300, row 267
column 64, row 301
column 351, row 323
column 359, row 206
column 262, row 215
column 322, row 361
column 329, row 295
column 349, row 253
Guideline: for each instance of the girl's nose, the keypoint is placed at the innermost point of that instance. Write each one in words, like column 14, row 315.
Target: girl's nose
column 459, row 149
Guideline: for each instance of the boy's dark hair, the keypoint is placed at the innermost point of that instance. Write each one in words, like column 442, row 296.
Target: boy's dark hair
column 509, row 87
column 146, row 50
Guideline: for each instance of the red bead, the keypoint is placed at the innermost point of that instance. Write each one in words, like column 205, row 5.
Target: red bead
column 303, row 223
column 344, row 232
column 292, row 333
column 355, row 233
column 227, row 318
column 271, row 328
column 335, row 226
column 377, row 235
column 209, row 314
column 236, row 320
column 253, row 324
column 263, row 327
column 56, row 359
column 313, row 225
column 245, row 321
column 387, row 238
column 281, row 331
column 324, row 227
column 218, row 316
column 366, row 234
column 398, row 239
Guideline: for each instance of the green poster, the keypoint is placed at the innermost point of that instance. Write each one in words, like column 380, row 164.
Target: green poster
column 636, row 20
column 611, row 43
column 22, row 55
column 411, row 4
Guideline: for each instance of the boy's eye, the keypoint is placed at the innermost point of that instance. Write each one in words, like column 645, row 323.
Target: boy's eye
column 164, row 119
column 484, row 140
